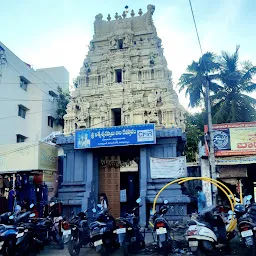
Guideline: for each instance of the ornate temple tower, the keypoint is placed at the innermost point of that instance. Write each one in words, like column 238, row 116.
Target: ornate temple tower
column 124, row 79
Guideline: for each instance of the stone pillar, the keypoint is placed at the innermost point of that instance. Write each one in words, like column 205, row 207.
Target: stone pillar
column 89, row 179
column 143, row 184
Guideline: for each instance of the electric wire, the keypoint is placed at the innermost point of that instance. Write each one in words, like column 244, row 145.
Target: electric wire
column 37, row 78
column 155, row 101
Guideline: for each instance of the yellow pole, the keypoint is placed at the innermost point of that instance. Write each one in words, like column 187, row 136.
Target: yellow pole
column 190, row 178
column 232, row 206
column 240, row 191
column 215, row 182
column 209, row 180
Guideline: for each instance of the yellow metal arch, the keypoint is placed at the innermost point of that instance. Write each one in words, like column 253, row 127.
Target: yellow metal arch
column 217, row 183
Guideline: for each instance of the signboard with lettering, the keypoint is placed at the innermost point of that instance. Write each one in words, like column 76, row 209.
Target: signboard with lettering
column 234, row 139
column 27, row 157
column 171, row 168
column 115, row 136
column 48, row 157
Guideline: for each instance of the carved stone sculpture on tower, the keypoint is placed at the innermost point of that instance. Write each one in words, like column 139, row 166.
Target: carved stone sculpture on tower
column 125, row 70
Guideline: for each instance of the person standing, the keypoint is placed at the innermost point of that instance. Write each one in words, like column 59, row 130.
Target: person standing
column 104, row 201
column 201, row 199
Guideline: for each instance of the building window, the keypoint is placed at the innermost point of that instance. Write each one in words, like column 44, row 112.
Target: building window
column 24, row 83
column 116, row 116
column 22, row 111
column 20, row 138
column 120, row 44
column 50, row 121
column 119, row 75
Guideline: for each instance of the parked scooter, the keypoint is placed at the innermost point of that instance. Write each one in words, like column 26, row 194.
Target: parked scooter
column 102, row 232
column 162, row 229
column 207, row 232
column 128, row 231
column 246, row 214
column 79, row 232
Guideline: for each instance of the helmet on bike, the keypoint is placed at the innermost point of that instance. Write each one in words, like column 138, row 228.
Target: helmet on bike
column 240, row 208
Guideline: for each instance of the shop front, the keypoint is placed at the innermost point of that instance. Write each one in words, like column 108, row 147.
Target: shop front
column 238, row 173
column 116, row 161
column 28, row 174
column 235, row 156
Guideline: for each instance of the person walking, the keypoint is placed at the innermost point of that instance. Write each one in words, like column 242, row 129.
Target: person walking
column 201, row 199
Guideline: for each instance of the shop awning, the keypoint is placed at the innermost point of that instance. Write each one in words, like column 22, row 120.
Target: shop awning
column 28, row 157
column 235, row 160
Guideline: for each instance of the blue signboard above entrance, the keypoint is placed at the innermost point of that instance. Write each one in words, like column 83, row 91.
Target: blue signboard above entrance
column 115, row 136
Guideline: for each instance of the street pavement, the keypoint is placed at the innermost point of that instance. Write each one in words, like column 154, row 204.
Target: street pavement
column 237, row 249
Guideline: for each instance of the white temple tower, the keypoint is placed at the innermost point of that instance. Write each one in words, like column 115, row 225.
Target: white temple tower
column 124, row 79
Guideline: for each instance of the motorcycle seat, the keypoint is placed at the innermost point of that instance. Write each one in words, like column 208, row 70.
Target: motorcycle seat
column 195, row 222
column 97, row 224
column 6, row 227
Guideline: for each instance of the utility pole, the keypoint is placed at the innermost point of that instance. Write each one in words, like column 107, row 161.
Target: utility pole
column 211, row 146
column 209, row 114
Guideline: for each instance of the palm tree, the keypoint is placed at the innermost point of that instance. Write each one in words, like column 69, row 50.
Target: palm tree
column 232, row 103
column 195, row 79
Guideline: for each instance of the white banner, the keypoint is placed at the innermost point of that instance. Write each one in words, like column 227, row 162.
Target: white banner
column 168, row 167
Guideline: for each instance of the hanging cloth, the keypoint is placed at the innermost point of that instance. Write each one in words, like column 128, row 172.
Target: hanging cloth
column 18, row 182
column 7, row 181
column 11, row 199
column 1, row 182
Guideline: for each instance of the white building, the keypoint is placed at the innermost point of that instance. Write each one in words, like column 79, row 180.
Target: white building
column 27, row 104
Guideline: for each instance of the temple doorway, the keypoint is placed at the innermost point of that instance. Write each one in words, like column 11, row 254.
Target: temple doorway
column 119, row 178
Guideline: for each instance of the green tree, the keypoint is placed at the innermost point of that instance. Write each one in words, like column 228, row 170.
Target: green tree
column 63, row 99
column 232, row 103
column 194, row 130
column 198, row 119
column 197, row 75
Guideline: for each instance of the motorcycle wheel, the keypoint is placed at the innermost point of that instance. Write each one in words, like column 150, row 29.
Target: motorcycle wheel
column 124, row 249
column 165, row 248
column 60, row 244
column 199, row 252
column 9, row 250
column 252, row 250
column 58, row 240
column 104, row 251
column 74, row 247
column 142, row 245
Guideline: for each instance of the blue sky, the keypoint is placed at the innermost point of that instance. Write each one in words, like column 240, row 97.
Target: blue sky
column 49, row 33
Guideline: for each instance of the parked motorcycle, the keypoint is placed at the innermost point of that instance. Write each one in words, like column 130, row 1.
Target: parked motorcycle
column 4, row 218
column 102, row 232
column 17, row 239
column 246, row 215
column 47, row 229
column 128, row 231
column 79, row 233
column 162, row 229
column 206, row 232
